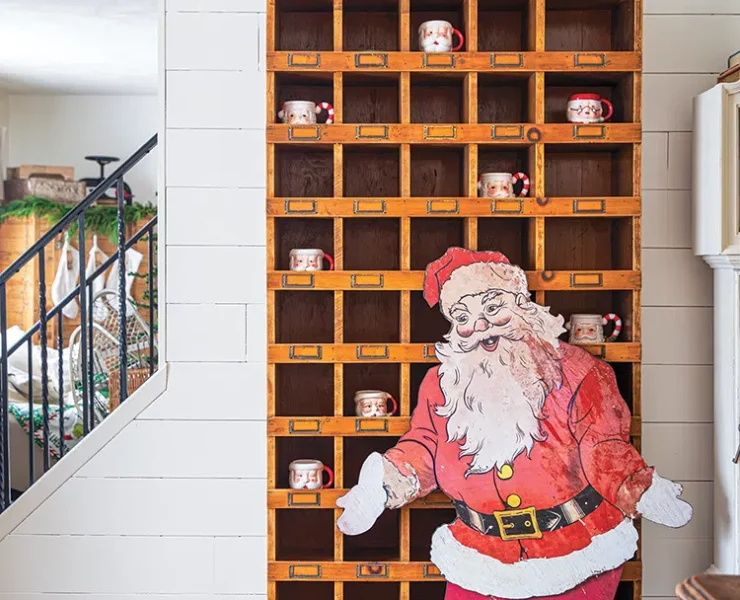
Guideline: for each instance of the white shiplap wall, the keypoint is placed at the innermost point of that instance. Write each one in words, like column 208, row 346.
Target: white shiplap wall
column 173, row 507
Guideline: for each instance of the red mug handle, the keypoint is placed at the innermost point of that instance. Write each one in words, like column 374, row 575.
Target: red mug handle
column 330, row 260
column 462, row 40
column 329, row 111
column 394, row 405
column 330, row 473
column 617, row 326
column 610, row 109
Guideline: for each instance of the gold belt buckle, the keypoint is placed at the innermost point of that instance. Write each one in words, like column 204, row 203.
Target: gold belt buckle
column 509, row 519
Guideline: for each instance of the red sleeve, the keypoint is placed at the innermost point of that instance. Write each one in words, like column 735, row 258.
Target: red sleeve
column 600, row 420
column 414, row 453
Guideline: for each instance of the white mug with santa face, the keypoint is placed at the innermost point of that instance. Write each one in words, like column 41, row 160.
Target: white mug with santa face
column 302, row 112
column 588, row 108
column 501, row 185
column 589, row 329
column 374, row 403
column 436, row 36
column 308, row 474
column 309, row 259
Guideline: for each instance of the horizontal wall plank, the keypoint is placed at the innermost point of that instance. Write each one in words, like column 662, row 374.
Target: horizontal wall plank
column 681, row 394
column 666, row 161
column 206, row 333
column 211, row 42
column 668, row 100
column 215, row 217
column 666, row 220
column 257, row 333
column 677, row 336
column 701, row 497
column 675, row 278
column 207, row 275
column 152, row 507
column 249, row 6
column 700, row 7
column 679, row 451
column 184, row 449
column 241, row 565
column 212, row 391
column 667, row 562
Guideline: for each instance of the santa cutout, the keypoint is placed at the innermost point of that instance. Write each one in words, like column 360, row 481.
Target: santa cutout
column 529, row 437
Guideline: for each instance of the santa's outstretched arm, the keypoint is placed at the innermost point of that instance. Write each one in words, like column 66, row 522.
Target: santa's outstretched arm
column 403, row 474
column 600, row 421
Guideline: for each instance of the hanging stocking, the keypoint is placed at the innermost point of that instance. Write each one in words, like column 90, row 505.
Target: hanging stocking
column 98, row 284
column 66, row 279
column 133, row 262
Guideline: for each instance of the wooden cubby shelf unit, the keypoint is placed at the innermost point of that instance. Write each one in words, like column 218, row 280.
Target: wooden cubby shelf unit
column 388, row 187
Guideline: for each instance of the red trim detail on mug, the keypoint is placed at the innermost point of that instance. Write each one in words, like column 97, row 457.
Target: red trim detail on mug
column 462, row 40
column 617, row 326
column 330, row 260
column 330, row 473
column 328, row 108
column 525, row 183
column 394, row 405
column 584, row 97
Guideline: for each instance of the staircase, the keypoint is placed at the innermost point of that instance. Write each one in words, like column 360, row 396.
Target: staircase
column 57, row 386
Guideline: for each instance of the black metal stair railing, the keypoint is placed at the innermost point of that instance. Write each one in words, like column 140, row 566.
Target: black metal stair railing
column 96, row 380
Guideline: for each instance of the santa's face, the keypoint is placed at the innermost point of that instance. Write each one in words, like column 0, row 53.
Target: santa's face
column 585, row 111
column 482, row 319
column 499, row 189
column 435, row 38
column 306, row 480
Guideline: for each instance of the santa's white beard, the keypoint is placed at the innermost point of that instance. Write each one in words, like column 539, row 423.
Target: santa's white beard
column 493, row 402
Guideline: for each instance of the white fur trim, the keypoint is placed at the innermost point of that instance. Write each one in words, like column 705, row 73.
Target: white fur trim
column 661, row 503
column 480, row 277
column 476, row 572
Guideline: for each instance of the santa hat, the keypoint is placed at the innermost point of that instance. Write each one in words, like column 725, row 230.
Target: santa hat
column 462, row 272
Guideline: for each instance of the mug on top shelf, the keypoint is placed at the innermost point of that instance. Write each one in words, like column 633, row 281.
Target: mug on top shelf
column 309, row 259
column 589, row 329
column 374, row 403
column 303, row 112
column 308, row 474
column 501, row 185
column 588, row 108
column 436, row 36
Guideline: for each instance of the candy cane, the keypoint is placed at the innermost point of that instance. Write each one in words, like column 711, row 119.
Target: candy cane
column 525, row 183
column 328, row 108
column 617, row 326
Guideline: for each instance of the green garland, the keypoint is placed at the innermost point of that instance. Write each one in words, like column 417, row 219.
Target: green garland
column 102, row 220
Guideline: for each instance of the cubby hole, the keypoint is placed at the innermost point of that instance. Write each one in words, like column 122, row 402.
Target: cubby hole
column 372, row 590
column 588, row 170
column 508, row 235
column 304, row 171
column 304, row 25
column 370, row 376
column 370, row 98
column 437, row 171
column 288, row 449
column 437, row 98
column 305, row 590
column 511, row 159
column 380, row 543
column 451, row 11
column 625, row 591
column 433, row 590
column 617, row 88
column 589, row 25
column 316, row 88
column 567, row 303
column 503, row 98
column 371, row 172
column 304, row 317
column 372, row 244
column 423, row 525
column 428, row 325
column 625, row 378
column 503, row 26
column 372, row 317
column 582, row 244
column 304, row 534
column 431, row 237
column 293, row 233
column 356, row 450
column 418, row 372
column 304, row 390
column 370, row 25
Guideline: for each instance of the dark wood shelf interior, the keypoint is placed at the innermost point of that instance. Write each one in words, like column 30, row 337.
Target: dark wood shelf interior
column 510, row 236
column 589, row 26
column 372, row 244
column 356, row 450
column 512, row 159
column 376, row 376
column 428, row 325
column 583, row 244
column 371, row 98
column 379, row 544
column 304, row 25
column 304, row 171
column 372, row 317
column 434, row 590
column 437, row 98
column 437, row 171
column 305, row 590
column 312, row 88
column 371, row 171
column 423, row 525
column 370, row 25
column 503, row 26
column 304, row 390
column 288, row 449
column 431, row 237
column 304, row 317
column 574, row 170
column 316, row 539
column 598, row 303
column 301, row 233
column 355, row 590
column 503, row 98
column 451, row 11
column 615, row 87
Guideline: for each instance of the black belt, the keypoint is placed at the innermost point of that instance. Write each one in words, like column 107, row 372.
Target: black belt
column 529, row 523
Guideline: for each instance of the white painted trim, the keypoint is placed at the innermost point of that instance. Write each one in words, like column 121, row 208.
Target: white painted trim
column 81, row 454
column 162, row 187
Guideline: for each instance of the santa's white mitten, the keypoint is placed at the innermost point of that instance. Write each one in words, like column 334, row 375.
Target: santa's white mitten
column 365, row 502
column 661, row 503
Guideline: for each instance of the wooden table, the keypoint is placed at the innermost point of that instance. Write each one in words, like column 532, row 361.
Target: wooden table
column 709, row 587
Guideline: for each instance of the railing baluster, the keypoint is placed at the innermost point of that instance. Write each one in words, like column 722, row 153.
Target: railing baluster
column 4, row 417
column 43, row 331
column 152, row 262
column 87, row 399
column 31, row 423
column 122, row 300
column 60, row 383
column 91, row 353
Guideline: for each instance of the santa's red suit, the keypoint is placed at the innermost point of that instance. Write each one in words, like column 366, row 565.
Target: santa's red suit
column 556, row 521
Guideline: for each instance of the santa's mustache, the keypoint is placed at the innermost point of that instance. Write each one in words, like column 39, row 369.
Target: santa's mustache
column 488, row 338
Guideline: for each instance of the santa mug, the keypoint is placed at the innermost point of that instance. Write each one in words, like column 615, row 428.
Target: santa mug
column 501, row 185
column 588, row 108
column 309, row 259
column 436, row 36
column 302, row 112
column 374, row 403
column 589, row 329
column 307, row 474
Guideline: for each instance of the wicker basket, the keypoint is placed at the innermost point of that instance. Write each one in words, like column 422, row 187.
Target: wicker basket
column 136, row 378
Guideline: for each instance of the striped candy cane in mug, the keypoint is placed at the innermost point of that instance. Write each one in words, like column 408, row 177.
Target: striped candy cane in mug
column 525, row 183
column 617, row 326
column 329, row 111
